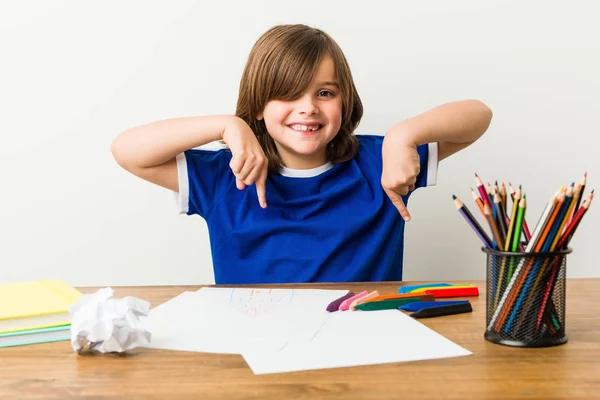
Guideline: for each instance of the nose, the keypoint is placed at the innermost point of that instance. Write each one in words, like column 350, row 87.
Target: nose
column 307, row 105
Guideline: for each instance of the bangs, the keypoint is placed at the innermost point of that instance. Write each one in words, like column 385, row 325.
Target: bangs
column 288, row 73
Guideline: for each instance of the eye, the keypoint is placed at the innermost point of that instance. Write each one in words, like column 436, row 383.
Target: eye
column 326, row 93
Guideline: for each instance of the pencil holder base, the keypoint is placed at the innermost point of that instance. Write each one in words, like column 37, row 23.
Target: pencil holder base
column 546, row 342
column 525, row 299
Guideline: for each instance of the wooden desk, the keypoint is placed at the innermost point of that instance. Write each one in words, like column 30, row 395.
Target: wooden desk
column 570, row 371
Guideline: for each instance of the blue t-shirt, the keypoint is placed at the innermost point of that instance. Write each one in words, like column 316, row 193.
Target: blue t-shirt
column 332, row 224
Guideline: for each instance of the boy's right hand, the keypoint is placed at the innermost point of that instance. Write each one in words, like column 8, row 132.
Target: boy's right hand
column 248, row 162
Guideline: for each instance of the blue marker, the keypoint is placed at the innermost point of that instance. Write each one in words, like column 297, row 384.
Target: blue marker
column 428, row 304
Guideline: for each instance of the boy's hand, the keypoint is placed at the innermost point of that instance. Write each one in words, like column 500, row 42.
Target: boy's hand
column 401, row 165
column 248, row 163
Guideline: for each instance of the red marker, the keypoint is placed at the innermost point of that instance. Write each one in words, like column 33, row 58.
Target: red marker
column 463, row 292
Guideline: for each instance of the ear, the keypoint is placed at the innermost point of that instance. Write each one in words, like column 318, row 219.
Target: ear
column 259, row 116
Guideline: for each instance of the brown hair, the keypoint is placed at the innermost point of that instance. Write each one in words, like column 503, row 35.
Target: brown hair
column 281, row 66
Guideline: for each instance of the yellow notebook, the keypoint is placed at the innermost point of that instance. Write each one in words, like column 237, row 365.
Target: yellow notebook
column 34, row 305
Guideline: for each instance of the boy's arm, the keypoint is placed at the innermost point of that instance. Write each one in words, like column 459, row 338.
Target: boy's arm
column 149, row 151
column 453, row 126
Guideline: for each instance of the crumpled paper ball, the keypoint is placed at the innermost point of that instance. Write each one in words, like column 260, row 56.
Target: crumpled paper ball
column 107, row 325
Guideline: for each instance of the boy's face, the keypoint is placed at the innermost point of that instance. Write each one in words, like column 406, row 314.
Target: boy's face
column 302, row 128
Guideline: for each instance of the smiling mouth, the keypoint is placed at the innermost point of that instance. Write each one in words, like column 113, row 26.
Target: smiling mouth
column 305, row 128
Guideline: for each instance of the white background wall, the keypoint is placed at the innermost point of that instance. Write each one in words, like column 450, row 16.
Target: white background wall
column 75, row 74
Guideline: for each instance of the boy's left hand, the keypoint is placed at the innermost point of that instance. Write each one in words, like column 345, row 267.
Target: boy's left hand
column 401, row 165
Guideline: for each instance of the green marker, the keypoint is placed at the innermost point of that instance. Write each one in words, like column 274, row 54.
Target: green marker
column 390, row 304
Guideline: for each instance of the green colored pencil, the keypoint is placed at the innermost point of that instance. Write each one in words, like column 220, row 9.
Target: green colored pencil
column 518, row 229
column 519, row 224
column 513, row 217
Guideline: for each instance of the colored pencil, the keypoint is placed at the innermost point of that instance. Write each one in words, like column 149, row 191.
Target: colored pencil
column 560, row 201
column 507, row 247
column 501, row 274
column 517, row 231
column 525, row 226
column 574, row 199
column 580, row 190
column 473, row 222
column 513, row 217
column 502, row 228
column 522, row 269
column 562, row 244
column 570, row 227
column 530, row 287
column 478, row 201
column 519, row 224
column 494, row 211
column 484, row 195
column 549, row 246
column 503, row 196
column 501, row 220
column 490, row 219
column 494, row 192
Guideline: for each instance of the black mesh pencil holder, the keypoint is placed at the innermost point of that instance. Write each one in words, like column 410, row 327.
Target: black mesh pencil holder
column 525, row 298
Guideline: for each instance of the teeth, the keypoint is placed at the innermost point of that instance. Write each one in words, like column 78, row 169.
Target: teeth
column 305, row 128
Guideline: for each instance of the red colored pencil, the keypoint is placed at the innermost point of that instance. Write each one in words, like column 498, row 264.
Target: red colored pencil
column 484, row 194
column 580, row 189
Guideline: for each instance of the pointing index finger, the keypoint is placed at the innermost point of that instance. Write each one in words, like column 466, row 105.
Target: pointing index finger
column 261, row 190
column 399, row 204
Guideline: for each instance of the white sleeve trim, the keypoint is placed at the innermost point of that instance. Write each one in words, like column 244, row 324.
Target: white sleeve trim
column 432, row 164
column 216, row 145
column 183, row 196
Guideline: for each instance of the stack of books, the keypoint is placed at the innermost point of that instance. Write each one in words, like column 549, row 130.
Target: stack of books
column 35, row 312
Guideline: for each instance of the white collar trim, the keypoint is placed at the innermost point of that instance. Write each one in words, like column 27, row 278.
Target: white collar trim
column 306, row 173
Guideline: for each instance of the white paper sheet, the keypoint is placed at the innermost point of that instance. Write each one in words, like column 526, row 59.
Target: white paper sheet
column 231, row 320
column 357, row 338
